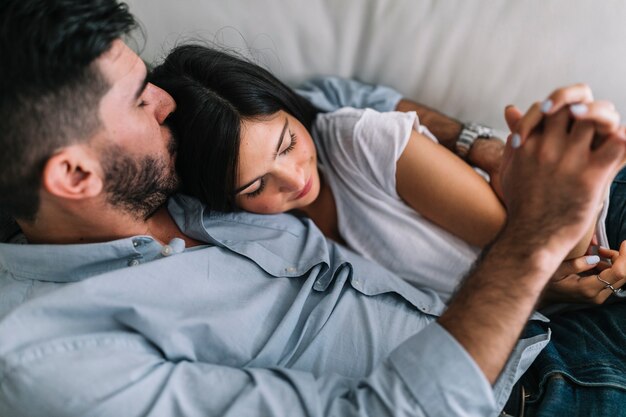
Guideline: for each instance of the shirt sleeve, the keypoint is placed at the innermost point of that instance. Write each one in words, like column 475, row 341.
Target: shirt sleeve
column 331, row 93
column 362, row 147
column 429, row 375
column 450, row 383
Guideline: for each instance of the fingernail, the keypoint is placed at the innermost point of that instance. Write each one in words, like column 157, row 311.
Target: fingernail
column 516, row 141
column 546, row 106
column 578, row 109
column 592, row 260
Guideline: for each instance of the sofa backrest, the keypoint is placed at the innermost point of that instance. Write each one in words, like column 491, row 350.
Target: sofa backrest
column 468, row 58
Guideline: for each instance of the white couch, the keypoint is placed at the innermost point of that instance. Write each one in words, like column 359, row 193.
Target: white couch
column 468, row 58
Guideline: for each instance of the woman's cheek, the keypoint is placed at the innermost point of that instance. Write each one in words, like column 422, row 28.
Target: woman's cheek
column 266, row 206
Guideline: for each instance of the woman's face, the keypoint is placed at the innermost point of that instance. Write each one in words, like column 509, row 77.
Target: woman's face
column 277, row 165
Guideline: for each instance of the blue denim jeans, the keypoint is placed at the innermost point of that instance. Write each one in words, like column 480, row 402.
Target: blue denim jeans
column 616, row 216
column 582, row 371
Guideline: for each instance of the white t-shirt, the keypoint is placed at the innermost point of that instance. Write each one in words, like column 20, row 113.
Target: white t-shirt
column 358, row 151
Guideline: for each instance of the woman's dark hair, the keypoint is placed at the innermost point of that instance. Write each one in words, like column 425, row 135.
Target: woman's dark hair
column 214, row 92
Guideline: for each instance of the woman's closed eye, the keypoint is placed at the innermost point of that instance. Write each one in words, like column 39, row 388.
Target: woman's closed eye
column 292, row 144
column 288, row 149
column 259, row 190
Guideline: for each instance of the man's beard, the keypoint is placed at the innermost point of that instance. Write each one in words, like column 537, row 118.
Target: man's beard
column 138, row 186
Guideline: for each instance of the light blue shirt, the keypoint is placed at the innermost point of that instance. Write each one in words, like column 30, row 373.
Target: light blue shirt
column 268, row 319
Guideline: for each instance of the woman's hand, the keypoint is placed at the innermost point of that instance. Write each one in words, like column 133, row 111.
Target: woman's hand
column 582, row 107
column 570, row 285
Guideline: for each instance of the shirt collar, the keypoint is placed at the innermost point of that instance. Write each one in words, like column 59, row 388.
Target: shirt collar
column 69, row 263
column 280, row 244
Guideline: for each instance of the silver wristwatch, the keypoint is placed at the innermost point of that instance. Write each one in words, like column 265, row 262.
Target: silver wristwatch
column 469, row 133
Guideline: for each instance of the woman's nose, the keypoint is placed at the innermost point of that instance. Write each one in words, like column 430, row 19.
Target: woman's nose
column 291, row 179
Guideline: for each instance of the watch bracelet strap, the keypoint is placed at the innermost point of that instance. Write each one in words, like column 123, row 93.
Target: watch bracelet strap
column 469, row 133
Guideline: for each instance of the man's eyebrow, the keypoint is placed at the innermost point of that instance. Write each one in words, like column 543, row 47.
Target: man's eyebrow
column 142, row 87
column 282, row 137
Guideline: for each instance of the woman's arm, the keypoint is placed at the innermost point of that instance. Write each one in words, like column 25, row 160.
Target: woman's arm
column 445, row 190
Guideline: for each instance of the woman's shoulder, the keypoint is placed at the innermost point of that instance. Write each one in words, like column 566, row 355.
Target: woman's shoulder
column 352, row 116
column 334, row 128
column 346, row 119
column 362, row 125
column 362, row 138
column 346, row 115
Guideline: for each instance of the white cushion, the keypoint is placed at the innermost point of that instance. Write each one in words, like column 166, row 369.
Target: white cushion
column 468, row 58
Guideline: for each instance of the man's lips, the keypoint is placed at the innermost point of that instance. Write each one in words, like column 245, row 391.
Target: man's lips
column 306, row 189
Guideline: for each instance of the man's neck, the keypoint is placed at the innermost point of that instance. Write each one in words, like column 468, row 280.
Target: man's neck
column 163, row 228
column 103, row 227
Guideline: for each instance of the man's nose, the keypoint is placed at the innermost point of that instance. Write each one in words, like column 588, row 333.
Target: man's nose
column 164, row 104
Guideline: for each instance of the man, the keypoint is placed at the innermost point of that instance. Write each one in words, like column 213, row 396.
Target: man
column 118, row 305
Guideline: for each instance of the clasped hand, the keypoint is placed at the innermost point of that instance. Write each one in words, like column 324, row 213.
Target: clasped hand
column 557, row 164
column 580, row 281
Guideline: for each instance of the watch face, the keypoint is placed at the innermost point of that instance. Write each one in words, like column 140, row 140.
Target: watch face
column 484, row 131
column 481, row 131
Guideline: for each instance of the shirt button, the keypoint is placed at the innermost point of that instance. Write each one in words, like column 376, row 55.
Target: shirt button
column 291, row 269
column 133, row 262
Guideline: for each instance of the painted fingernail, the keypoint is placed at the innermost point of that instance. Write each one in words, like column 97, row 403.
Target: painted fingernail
column 546, row 106
column 592, row 260
column 516, row 141
column 578, row 109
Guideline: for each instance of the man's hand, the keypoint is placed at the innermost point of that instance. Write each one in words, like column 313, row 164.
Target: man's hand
column 553, row 179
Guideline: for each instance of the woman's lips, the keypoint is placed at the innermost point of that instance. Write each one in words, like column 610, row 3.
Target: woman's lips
column 306, row 189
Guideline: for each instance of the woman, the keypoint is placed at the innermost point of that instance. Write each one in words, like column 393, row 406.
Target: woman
column 378, row 182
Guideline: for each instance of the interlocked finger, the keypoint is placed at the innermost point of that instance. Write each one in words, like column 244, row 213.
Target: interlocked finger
column 577, row 93
column 602, row 113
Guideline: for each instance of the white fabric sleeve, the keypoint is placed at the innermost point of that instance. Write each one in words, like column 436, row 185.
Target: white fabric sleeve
column 379, row 140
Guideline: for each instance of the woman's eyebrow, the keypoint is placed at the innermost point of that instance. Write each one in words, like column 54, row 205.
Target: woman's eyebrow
column 281, row 138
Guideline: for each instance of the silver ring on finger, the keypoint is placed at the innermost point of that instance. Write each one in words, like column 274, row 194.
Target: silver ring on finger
column 608, row 285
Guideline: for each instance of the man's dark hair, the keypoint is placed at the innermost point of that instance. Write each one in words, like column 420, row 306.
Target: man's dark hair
column 214, row 92
column 50, row 87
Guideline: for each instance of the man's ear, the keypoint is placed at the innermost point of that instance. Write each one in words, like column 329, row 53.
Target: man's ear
column 73, row 173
